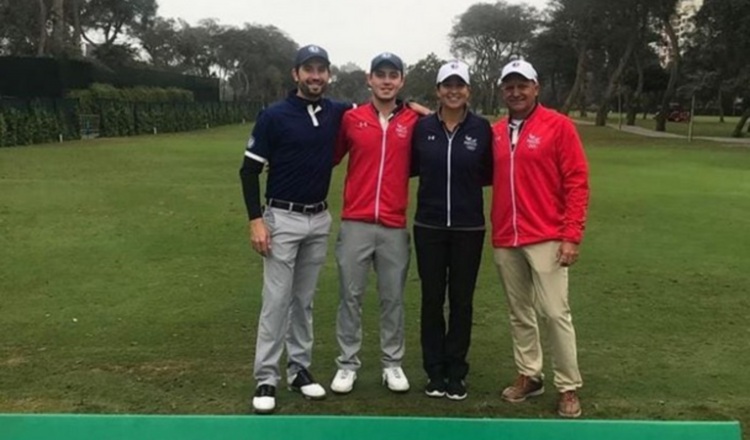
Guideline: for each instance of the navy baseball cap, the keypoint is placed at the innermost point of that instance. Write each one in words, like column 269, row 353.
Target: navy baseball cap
column 306, row 53
column 389, row 58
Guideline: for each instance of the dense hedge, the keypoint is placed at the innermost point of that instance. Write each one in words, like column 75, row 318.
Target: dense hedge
column 119, row 112
column 43, row 77
column 35, row 124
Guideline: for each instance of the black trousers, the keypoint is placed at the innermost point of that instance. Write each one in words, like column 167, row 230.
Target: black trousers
column 448, row 261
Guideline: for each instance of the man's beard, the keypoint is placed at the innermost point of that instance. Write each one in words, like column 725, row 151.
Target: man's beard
column 308, row 94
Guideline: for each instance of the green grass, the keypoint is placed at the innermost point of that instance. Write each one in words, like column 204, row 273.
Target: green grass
column 127, row 285
column 708, row 126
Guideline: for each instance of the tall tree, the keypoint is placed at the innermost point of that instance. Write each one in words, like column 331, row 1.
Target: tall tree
column 626, row 24
column 555, row 60
column 664, row 10
column 159, row 39
column 420, row 80
column 59, row 27
column 349, row 85
column 718, row 54
column 256, row 61
column 486, row 36
column 113, row 18
column 22, row 27
column 578, row 24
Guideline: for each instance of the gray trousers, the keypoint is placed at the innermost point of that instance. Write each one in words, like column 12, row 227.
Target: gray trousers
column 290, row 275
column 360, row 245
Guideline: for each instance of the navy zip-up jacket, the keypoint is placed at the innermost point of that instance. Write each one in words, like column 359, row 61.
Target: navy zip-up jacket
column 452, row 168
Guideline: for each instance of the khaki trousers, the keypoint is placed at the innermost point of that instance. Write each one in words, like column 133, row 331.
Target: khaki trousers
column 536, row 286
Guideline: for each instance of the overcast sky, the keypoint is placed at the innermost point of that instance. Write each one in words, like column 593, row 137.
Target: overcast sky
column 350, row 30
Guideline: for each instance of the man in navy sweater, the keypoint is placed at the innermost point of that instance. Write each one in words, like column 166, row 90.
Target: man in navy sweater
column 295, row 137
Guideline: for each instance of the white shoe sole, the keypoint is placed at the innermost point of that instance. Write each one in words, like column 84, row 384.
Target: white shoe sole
column 348, row 390
column 306, row 396
column 264, row 410
column 342, row 391
column 395, row 390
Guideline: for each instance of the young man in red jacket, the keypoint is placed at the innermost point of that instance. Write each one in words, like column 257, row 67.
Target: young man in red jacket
column 377, row 138
column 539, row 203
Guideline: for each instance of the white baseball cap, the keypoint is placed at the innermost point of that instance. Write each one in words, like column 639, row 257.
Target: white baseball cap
column 520, row 67
column 451, row 68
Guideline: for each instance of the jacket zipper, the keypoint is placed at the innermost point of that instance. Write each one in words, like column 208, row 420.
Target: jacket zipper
column 450, row 137
column 380, row 175
column 513, row 195
column 514, row 206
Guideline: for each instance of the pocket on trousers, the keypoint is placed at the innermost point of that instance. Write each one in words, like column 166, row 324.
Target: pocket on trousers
column 269, row 218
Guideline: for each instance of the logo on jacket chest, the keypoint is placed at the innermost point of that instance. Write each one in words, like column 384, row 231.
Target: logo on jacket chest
column 470, row 143
column 402, row 131
column 533, row 141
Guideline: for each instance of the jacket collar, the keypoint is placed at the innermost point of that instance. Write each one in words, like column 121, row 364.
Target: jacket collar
column 400, row 106
column 297, row 101
column 461, row 122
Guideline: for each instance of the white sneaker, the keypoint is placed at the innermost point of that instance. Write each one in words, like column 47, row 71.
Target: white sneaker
column 303, row 383
column 343, row 381
column 264, row 400
column 395, row 379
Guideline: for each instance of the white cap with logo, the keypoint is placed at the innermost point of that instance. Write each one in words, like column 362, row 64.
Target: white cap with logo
column 520, row 67
column 453, row 68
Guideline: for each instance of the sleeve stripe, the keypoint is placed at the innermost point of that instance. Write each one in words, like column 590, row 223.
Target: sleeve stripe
column 252, row 156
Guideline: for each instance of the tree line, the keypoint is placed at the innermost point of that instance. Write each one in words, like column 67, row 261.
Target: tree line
column 592, row 55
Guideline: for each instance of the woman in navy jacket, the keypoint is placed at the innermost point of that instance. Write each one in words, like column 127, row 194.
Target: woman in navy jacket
column 452, row 155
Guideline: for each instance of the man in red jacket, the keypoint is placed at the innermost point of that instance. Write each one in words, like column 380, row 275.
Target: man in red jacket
column 539, row 203
column 377, row 138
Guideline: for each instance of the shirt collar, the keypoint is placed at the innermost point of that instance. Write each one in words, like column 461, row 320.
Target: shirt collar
column 297, row 101
column 400, row 105
column 460, row 122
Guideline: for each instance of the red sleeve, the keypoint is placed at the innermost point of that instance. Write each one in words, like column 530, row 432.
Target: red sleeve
column 342, row 141
column 575, row 181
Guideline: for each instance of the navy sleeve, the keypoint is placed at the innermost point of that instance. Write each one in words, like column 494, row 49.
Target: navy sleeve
column 249, row 175
column 257, row 154
column 414, row 164
column 259, row 145
column 341, row 107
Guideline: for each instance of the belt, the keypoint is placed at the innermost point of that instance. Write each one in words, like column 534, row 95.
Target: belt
column 300, row 208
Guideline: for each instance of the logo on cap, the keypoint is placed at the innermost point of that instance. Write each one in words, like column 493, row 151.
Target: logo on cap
column 385, row 55
column 314, row 49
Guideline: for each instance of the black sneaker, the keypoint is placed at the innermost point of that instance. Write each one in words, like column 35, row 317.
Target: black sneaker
column 456, row 390
column 303, row 383
column 435, row 387
column 264, row 400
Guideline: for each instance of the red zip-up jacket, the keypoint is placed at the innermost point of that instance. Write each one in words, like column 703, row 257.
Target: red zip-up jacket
column 376, row 189
column 540, row 187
